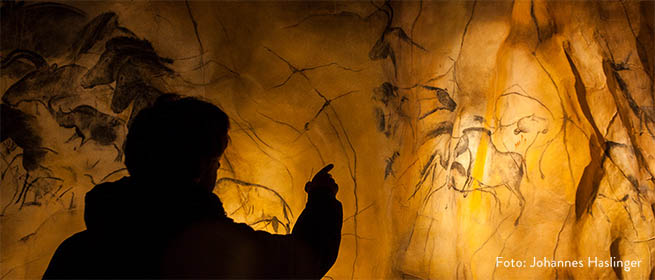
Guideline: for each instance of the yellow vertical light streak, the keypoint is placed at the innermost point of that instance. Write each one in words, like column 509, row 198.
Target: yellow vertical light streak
column 478, row 167
column 473, row 209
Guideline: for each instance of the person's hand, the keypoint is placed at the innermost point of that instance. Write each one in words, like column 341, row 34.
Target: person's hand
column 323, row 182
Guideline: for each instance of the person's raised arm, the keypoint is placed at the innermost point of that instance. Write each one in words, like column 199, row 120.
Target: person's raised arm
column 318, row 227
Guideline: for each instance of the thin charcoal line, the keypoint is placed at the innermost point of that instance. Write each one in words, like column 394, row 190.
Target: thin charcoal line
column 627, row 17
column 489, row 238
column 607, row 218
column 530, row 146
column 229, row 40
column 561, row 230
column 328, row 65
column 529, row 97
column 543, row 152
column 360, row 212
column 64, row 192
column 427, row 169
column 568, row 155
column 564, row 119
column 353, row 175
column 9, row 165
column 284, row 82
column 301, row 71
column 356, row 236
column 91, row 178
column 267, row 221
column 534, row 20
column 254, row 133
column 309, row 139
column 340, row 14
column 248, row 184
column 195, row 30
column 4, row 209
column 432, row 112
column 325, row 104
column 461, row 44
column 580, row 128
column 643, row 240
column 418, row 15
column 609, row 125
column 440, row 75
column 493, row 274
column 343, row 95
column 280, row 122
column 29, row 186
column 267, row 154
column 52, row 194
column 40, row 226
column 431, row 191
column 425, row 244
column 321, row 95
column 112, row 173
column 202, row 65
column 406, row 169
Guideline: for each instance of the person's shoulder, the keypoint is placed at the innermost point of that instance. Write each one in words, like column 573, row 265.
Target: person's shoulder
column 81, row 236
column 107, row 185
column 220, row 229
column 74, row 244
column 107, row 188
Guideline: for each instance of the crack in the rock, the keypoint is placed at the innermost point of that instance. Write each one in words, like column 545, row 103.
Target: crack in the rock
column 339, row 14
column 627, row 17
column 536, row 23
column 254, row 140
column 353, row 175
column 609, row 125
column 488, row 238
column 301, row 71
column 358, row 213
column 493, row 274
column 195, row 30
column 300, row 133
column 327, row 102
column 593, row 172
column 420, row 9
column 559, row 234
column 565, row 119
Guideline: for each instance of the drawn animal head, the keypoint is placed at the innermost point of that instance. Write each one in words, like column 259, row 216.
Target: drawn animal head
column 102, row 27
column 64, row 119
column 531, row 124
column 117, row 52
column 32, row 86
column 106, row 133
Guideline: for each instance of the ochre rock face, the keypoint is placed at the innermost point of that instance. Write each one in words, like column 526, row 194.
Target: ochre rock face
column 464, row 134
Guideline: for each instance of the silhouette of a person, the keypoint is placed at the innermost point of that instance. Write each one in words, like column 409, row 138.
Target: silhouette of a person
column 163, row 221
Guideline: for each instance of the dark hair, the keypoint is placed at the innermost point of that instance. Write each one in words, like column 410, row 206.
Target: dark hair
column 171, row 139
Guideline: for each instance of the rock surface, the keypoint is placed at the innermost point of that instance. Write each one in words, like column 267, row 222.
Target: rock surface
column 461, row 131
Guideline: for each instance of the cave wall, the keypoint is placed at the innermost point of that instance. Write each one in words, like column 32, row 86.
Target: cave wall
column 461, row 131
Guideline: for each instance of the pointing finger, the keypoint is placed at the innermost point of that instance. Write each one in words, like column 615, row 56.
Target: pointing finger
column 325, row 170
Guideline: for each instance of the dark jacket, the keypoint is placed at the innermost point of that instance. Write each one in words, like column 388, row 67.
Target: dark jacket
column 137, row 230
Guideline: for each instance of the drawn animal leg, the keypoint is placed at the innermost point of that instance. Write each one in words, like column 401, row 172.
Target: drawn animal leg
column 119, row 155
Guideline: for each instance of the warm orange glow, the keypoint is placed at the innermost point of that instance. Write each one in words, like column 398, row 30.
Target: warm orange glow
column 461, row 131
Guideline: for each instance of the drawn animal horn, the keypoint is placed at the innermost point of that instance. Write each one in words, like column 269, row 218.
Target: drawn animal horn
column 50, row 109
column 35, row 58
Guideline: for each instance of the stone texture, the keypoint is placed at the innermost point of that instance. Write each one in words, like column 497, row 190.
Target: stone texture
column 461, row 131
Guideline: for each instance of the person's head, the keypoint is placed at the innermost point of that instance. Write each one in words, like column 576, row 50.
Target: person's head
column 178, row 139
